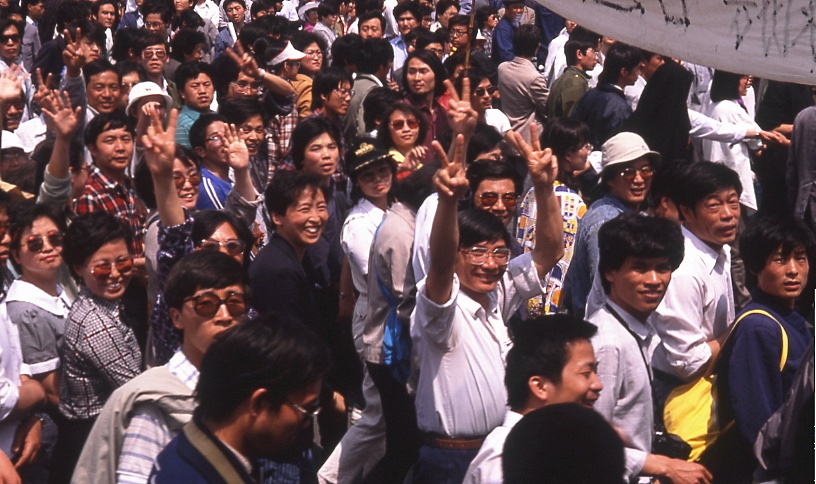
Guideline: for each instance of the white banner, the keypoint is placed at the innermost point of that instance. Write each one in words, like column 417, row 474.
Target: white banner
column 772, row 39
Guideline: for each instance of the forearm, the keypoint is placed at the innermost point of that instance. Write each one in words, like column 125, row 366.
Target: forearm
column 59, row 162
column 243, row 185
column 167, row 200
column 444, row 244
column 276, row 84
column 549, row 243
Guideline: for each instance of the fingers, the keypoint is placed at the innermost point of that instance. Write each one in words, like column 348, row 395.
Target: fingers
column 441, row 155
column 459, row 150
column 466, row 88
column 534, row 137
column 526, row 150
column 452, row 92
column 69, row 39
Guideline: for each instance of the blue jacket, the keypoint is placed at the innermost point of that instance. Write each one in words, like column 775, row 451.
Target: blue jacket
column 503, row 41
column 604, row 109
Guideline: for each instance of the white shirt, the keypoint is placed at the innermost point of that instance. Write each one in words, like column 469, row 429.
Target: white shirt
column 461, row 348
column 11, row 365
column 556, row 57
column 698, row 307
column 498, row 120
column 634, row 91
column 356, row 238
column 626, row 399
column 707, row 128
column 208, row 11
column 391, row 29
column 422, row 236
column 486, row 467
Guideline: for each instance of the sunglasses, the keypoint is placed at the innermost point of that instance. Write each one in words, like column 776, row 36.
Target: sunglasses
column 480, row 91
column 35, row 243
column 629, row 173
column 398, row 124
column 180, row 180
column 207, row 304
column 124, row 266
column 233, row 246
column 488, row 199
column 13, row 37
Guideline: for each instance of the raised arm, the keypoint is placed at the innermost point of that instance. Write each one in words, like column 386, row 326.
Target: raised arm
column 160, row 152
column 11, row 86
column 63, row 120
column 249, row 66
column 451, row 184
column 543, row 168
column 238, row 159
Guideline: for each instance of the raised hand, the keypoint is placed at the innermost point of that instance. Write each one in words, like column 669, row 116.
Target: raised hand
column 414, row 159
column 160, row 144
column 461, row 115
column 542, row 164
column 246, row 62
column 237, row 152
column 11, row 83
column 72, row 55
column 60, row 117
column 450, row 180
column 43, row 94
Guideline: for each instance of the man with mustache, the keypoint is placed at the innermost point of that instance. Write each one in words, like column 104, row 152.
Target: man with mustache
column 637, row 257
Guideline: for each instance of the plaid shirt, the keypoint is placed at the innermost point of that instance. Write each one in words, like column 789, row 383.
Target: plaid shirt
column 103, row 194
column 280, row 130
column 99, row 354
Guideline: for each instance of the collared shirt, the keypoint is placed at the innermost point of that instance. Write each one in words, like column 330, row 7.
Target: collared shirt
column 486, row 467
column 208, row 10
column 100, row 353
column 213, row 191
column 437, row 117
column 698, row 307
column 104, row 194
column 186, row 118
column 400, row 53
column 626, row 399
column 461, row 349
column 11, row 365
column 356, row 238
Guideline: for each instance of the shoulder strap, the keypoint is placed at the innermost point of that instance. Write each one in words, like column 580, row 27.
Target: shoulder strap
column 784, row 357
column 389, row 297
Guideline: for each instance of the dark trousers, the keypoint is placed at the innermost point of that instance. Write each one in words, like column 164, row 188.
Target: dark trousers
column 402, row 438
column 442, row 466
column 71, row 439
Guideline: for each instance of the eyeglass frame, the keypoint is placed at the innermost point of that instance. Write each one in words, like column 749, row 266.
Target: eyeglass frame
column 488, row 255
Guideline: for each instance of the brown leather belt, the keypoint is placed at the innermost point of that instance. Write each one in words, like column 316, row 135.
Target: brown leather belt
column 450, row 443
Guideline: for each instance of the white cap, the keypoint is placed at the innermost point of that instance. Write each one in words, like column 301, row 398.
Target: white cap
column 10, row 140
column 289, row 53
column 144, row 89
column 305, row 8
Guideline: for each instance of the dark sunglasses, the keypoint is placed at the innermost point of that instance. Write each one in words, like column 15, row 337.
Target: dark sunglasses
column 480, row 91
column 13, row 37
column 233, row 246
column 102, row 271
column 206, row 305
column 398, row 124
column 488, row 199
column 180, row 180
column 35, row 243
column 629, row 173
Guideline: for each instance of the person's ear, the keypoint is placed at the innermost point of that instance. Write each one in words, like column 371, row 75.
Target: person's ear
column 538, row 386
column 200, row 151
column 175, row 318
column 258, row 401
column 276, row 219
column 686, row 213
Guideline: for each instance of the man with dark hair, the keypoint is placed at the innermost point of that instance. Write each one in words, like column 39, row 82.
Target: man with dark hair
column 495, row 188
column 326, row 17
column 471, row 289
column 423, row 77
column 34, row 10
column 236, row 17
column 373, row 66
column 649, row 63
column 331, row 94
column 195, row 87
column 157, row 16
column 574, row 82
column 604, row 108
column 522, row 88
column 551, row 362
column 504, row 33
column 257, row 392
column 153, row 53
column 462, row 38
column 207, row 294
column 637, row 257
column 371, row 25
column 407, row 17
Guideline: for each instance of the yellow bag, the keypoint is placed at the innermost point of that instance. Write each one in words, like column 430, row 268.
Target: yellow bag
column 691, row 409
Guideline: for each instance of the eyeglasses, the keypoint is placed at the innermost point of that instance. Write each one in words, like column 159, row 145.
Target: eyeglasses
column 36, row 243
column 216, row 138
column 480, row 91
column 124, row 265
column 154, row 25
column 158, row 54
column 479, row 255
column 400, row 123
column 488, row 199
column 180, row 179
column 629, row 173
column 344, row 92
column 307, row 412
column 207, row 304
column 233, row 246
column 458, row 33
column 243, row 86
column 13, row 37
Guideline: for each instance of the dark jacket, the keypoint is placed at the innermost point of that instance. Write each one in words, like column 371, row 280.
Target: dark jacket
column 604, row 109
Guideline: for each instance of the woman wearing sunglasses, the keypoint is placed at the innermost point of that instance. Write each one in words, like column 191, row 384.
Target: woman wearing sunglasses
column 99, row 352
column 403, row 133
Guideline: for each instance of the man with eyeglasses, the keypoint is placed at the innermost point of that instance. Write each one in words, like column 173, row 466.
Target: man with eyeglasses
column 195, row 84
column 458, row 327
column 626, row 174
column 153, row 57
column 460, row 38
column 206, row 292
column 208, row 137
column 495, row 188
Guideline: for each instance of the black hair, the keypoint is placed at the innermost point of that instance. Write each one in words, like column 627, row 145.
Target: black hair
column 458, row 19
column 416, row 187
column 286, row 187
column 22, row 216
column 345, row 50
column 185, row 42
column 634, row 235
column 188, row 71
column 159, row 7
column 482, row 14
column 25, row 4
column 541, row 347
column 526, row 40
column 225, row 71
column 768, row 233
column 384, row 133
column 307, row 130
column 88, row 233
column 373, row 54
column 90, row 31
column 326, row 8
column 70, row 12
column 206, row 222
column 443, row 5
column 478, row 226
column 125, row 67
column 410, row 7
column 228, row 2
column 664, row 183
column 98, row 67
column 187, row 20
column 376, row 103
column 143, row 180
column 198, row 129
column 7, row 22
column 725, row 86
column 95, row 9
column 272, row 352
column 432, row 61
column 327, row 80
column 302, row 39
column 202, row 269
column 425, row 37
column 620, row 56
column 251, row 32
column 703, row 179
column 575, row 45
column 365, row 7
column 150, row 40
column 481, row 170
column 564, row 135
column 124, row 41
column 238, row 111
column 107, row 122
column 485, row 138
column 370, row 15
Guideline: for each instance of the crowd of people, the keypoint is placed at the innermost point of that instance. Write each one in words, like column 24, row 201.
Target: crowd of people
column 367, row 241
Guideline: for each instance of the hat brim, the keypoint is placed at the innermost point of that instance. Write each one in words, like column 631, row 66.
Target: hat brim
column 385, row 157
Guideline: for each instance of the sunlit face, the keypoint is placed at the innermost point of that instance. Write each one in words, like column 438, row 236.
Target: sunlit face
column 631, row 191
column 745, row 82
column 198, row 93
column 478, row 280
column 128, row 81
column 223, row 234
column 481, row 98
column 587, row 60
column 10, row 42
column 404, row 129
column 184, row 177
column 714, row 218
column 13, row 114
column 235, row 13
column 182, row 5
column 313, row 61
column 446, row 15
column 155, row 25
column 214, row 150
column 244, row 86
column 37, row 11
column 579, row 377
column 106, row 16
column 108, row 271
column 577, row 160
column 42, row 263
column 514, row 11
column 459, row 36
column 497, row 196
column 154, row 58
column 113, row 151
column 639, row 284
column 252, row 132
column 406, row 22
column 304, row 220
column 371, row 29
column 321, row 156
column 421, row 78
column 375, row 181
column 336, row 103
column 785, row 276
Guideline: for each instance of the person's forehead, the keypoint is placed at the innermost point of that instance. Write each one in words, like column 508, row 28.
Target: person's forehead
column 416, row 63
column 253, row 120
column 580, row 353
column 308, row 196
column 198, row 79
column 155, row 46
column 119, row 132
column 216, row 126
column 494, row 183
column 104, row 76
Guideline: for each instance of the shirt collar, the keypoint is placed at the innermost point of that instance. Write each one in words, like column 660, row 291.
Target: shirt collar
column 105, row 181
column 707, row 254
column 641, row 330
column 471, row 306
column 182, row 369
column 511, row 418
column 22, row 291
column 113, row 308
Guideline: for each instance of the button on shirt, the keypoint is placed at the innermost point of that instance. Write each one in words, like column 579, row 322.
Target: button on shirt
column 461, row 348
column 698, row 307
column 626, row 399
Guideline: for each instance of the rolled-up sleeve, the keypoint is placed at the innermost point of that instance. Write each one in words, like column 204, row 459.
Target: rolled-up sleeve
column 434, row 322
